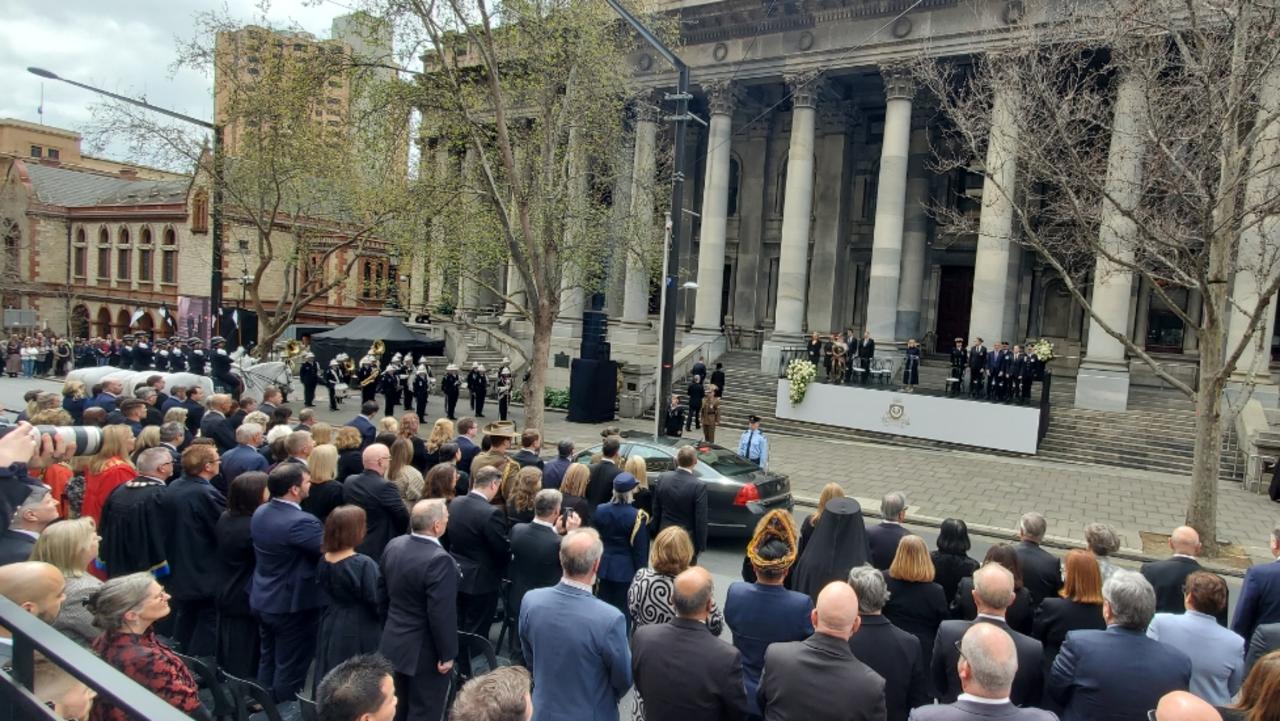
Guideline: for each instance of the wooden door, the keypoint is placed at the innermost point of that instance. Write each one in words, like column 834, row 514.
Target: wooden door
column 955, row 298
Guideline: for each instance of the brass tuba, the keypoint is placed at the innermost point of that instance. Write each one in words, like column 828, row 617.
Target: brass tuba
column 349, row 366
column 377, row 350
column 292, row 349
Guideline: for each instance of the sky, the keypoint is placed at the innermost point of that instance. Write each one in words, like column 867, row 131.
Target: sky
column 125, row 46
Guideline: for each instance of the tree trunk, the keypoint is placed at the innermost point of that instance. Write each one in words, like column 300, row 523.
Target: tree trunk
column 536, row 398
column 1202, row 501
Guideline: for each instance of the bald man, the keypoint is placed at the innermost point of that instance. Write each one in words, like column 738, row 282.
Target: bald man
column 385, row 514
column 819, row 678
column 1185, row 706
column 38, row 588
column 987, row 665
column 707, row 681
column 992, row 595
column 1169, row 576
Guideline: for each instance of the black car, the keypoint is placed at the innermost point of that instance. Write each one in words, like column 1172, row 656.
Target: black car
column 739, row 492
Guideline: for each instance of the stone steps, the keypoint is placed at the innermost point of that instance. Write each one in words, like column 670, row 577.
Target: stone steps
column 1157, row 433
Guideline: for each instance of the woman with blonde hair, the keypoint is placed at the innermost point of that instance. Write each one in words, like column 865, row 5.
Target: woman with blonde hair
column 916, row 604
column 520, row 505
column 573, row 490
column 73, row 400
column 407, row 479
column 322, row 433
column 829, row 491
column 348, row 443
column 109, row 469
column 148, row 438
column 643, row 496
column 650, row 597
column 70, row 546
column 326, row 490
column 178, row 415
column 389, row 425
column 442, row 432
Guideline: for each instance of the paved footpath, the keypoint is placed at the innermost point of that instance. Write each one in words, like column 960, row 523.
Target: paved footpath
column 988, row 492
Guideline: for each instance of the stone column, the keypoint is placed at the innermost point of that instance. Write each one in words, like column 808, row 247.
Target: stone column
column 635, row 327
column 751, row 209
column 828, row 276
column 995, row 223
column 797, row 208
column 616, row 235
column 1256, row 256
column 715, row 210
column 569, row 320
column 915, row 227
column 468, row 288
column 1103, row 379
column 891, row 193
column 436, row 290
column 1195, row 309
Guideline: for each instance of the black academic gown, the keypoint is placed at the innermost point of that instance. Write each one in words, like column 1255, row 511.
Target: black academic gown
column 838, row 544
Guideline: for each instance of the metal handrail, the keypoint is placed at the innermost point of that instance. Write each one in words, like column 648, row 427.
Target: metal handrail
column 30, row 635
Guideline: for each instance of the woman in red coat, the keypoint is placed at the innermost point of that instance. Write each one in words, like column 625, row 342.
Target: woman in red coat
column 108, row 470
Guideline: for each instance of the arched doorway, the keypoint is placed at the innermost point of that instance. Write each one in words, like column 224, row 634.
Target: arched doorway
column 104, row 322
column 122, row 322
column 80, row 322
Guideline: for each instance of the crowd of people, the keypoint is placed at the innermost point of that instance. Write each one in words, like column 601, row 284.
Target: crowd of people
column 366, row 566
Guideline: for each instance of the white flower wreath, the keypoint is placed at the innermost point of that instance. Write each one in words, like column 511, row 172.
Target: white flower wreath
column 800, row 373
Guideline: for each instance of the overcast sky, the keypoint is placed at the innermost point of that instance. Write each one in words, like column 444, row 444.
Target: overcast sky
column 126, row 46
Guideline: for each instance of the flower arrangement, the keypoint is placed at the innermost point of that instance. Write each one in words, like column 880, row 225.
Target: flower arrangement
column 1041, row 349
column 800, row 373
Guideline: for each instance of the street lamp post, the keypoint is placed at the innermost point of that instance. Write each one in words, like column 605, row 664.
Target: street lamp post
column 215, row 210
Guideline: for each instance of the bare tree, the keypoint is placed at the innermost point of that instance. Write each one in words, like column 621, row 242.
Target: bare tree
column 1141, row 141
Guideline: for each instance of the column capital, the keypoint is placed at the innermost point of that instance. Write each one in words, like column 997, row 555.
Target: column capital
column 805, row 88
column 645, row 107
column 722, row 96
column 898, row 83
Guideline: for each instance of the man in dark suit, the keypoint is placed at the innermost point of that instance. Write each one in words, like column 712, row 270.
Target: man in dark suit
column 195, row 405
column 477, row 539
column 530, row 445
column 887, row 649
column 977, row 364
column 214, row 423
column 466, row 440
column 1167, row 576
column 988, row 662
column 1266, row 638
column 283, row 593
column 245, row 456
column 1041, row 570
column 600, row 483
column 130, row 412
column 29, row 520
column 819, row 678
column 1117, row 674
column 385, row 514
column 535, row 550
column 1260, row 595
column 884, row 536
column 107, row 399
column 992, row 593
column 151, row 414
column 553, row 472
column 866, row 351
column 172, row 435
column 680, row 499
column 419, row 587
column 190, row 507
column 364, row 423
column 244, row 407
column 707, row 682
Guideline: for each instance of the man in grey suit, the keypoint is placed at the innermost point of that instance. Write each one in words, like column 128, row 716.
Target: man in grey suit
column 819, row 678
column 987, row 665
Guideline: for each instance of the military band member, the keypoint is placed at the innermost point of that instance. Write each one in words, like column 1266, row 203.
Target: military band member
column 503, row 391
column 142, row 354
column 220, row 367
column 389, row 387
column 367, row 376
column 959, row 361
column 406, row 380
column 451, row 386
column 977, row 364
column 422, row 382
column 177, row 357
column 481, row 390
column 333, row 377
column 197, row 358
column 126, row 353
column 309, row 373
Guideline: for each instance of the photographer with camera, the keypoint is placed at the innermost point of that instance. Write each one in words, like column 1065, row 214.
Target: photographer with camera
column 19, row 446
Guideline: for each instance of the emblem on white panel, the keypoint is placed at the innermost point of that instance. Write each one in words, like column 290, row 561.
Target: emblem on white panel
column 896, row 414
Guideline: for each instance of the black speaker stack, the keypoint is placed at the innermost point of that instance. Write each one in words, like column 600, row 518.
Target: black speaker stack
column 593, row 377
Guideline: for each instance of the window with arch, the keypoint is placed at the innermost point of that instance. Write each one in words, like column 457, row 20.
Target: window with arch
column 104, row 254
column 80, row 255
column 200, row 212
column 735, row 178
column 146, row 255
column 169, row 257
column 124, row 255
column 373, row 278
column 12, row 246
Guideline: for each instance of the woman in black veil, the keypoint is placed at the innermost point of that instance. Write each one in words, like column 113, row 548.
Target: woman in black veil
column 839, row 543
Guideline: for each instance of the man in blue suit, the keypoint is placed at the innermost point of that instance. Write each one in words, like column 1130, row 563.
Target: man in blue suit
column 1118, row 674
column 245, row 456
column 284, row 593
column 575, row 644
column 364, row 423
column 884, row 536
column 1260, row 595
column 107, row 399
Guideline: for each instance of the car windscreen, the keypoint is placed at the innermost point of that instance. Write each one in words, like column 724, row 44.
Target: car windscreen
column 724, row 461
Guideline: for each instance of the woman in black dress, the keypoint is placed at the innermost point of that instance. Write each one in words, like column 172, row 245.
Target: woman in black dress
column 951, row 562
column 326, row 489
column 350, row 625
column 1020, row 613
column 1080, row 605
column 573, row 490
column 348, row 444
column 911, row 366
column 238, row 641
column 814, row 346
column 916, row 604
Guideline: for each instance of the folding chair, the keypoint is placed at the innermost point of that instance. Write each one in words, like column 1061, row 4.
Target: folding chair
column 210, row 679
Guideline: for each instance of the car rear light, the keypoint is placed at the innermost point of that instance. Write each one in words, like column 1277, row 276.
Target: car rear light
column 747, row 494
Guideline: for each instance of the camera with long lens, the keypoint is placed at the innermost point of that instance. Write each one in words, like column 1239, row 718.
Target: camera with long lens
column 87, row 439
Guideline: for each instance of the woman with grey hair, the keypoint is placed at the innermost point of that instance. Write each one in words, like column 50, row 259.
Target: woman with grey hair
column 126, row 609
column 1103, row 541
column 624, row 531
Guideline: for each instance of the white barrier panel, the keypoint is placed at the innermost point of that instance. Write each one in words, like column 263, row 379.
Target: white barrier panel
column 953, row 420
